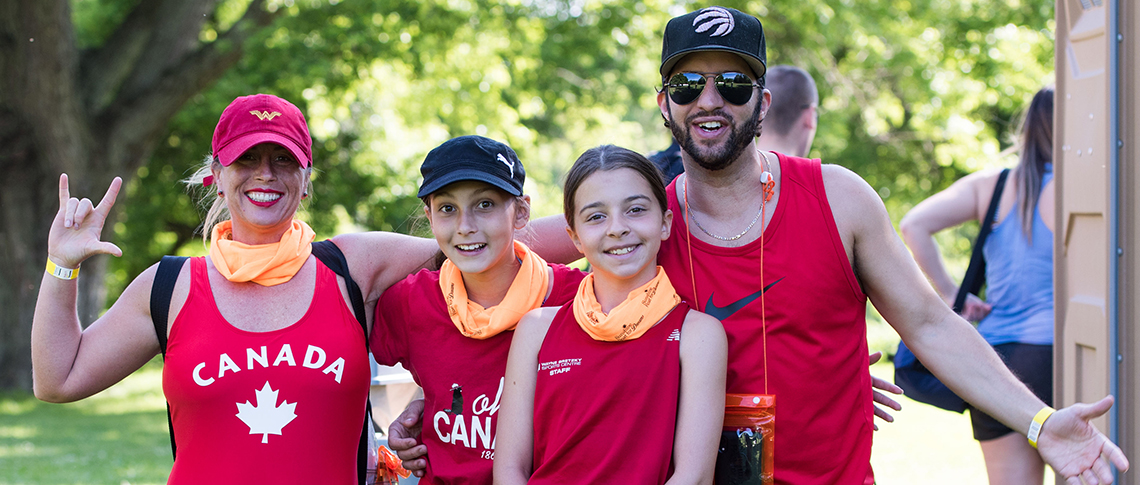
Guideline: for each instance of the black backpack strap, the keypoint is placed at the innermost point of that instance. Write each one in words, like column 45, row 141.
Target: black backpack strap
column 332, row 257
column 976, row 272
column 161, row 292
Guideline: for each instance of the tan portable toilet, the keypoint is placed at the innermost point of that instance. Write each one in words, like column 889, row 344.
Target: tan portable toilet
column 1096, row 262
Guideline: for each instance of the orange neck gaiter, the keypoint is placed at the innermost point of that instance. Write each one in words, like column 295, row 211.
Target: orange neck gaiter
column 264, row 264
column 526, row 293
column 641, row 310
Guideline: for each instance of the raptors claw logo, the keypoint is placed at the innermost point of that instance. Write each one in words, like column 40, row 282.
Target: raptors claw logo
column 715, row 17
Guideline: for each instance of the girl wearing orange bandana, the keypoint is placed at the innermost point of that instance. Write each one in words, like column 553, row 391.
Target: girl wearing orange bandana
column 452, row 328
column 625, row 384
column 266, row 368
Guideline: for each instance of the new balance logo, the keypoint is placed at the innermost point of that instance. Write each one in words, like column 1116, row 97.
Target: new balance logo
column 675, row 336
column 265, row 115
column 715, row 17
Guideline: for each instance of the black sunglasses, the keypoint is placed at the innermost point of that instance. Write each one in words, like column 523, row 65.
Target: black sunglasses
column 734, row 87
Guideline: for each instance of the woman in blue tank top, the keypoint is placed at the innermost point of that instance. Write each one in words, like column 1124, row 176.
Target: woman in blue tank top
column 1017, row 316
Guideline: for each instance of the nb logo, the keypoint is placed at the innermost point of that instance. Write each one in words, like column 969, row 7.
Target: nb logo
column 509, row 164
column 715, row 17
column 265, row 115
column 675, row 336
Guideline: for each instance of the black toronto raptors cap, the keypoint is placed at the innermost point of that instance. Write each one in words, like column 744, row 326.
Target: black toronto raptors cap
column 715, row 29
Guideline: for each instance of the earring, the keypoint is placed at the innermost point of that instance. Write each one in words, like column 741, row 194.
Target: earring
column 305, row 194
column 220, row 194
column 667, row 123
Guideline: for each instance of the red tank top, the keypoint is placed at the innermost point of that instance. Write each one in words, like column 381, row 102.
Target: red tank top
column 816, row 326
column 605, row 412
column 285, row 406
column 462, row 377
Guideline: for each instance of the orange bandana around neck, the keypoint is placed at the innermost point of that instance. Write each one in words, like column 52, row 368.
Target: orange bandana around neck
column 264, row 264
column 641, row 310
column 526, row 293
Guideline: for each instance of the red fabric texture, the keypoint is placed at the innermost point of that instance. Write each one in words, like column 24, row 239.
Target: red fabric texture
column 302, row 387
column 606, row 412
column 412, row 327
column 816, row 327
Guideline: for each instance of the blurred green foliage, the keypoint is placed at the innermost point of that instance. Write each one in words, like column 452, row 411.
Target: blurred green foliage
column 914, row 94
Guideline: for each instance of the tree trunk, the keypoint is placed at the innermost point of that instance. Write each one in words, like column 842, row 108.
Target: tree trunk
column 93, row 115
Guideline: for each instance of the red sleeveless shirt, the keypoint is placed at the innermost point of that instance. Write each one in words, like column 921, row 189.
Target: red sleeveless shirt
column 462, row 377
column 605, row 412
column 284, row 406
column 816, row 327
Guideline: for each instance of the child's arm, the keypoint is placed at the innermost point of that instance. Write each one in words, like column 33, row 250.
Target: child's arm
column 514, row 437
column 700, row 409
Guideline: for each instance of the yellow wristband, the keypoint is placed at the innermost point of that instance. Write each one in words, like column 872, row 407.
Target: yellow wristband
column 61, row 273
column 1038, row 422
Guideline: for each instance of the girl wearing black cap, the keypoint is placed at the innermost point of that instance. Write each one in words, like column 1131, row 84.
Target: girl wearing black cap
column 452, row 328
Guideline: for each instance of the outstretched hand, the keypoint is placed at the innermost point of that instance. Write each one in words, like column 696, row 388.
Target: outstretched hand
column 1074, row 448
column 403, row 436
column 878, row 385
column 75, row 233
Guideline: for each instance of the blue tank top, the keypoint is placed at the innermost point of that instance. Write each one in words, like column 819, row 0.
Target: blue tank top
column 1019, row 279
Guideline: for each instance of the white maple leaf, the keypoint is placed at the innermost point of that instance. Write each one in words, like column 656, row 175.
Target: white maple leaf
column 267, row 417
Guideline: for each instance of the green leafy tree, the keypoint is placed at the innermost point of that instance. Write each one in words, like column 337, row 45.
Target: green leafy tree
column 914, row 95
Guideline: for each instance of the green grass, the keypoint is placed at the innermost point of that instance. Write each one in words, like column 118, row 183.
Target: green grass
column 120, row 437
column 116, row 437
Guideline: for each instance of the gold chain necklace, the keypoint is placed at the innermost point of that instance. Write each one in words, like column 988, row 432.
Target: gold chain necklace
column 764, row 177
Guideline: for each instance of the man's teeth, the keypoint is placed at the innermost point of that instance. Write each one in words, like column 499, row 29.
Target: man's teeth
column 469, row 247
column 621, row 251
column 710, row 125
column 263, row 196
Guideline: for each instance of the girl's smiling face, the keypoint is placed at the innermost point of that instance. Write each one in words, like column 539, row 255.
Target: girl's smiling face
column 474, row 224
column 619, row 224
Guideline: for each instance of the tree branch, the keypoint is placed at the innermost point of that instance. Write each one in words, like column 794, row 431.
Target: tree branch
column 136, row 118
column 178, row 26
column 105, row 67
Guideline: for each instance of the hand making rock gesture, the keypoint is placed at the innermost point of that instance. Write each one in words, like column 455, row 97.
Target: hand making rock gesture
column 75, row 232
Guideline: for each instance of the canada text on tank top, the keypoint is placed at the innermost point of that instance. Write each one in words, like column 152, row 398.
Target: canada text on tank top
column 284, row 406
column 462, row 377
column 606, row 412
column 816, row 327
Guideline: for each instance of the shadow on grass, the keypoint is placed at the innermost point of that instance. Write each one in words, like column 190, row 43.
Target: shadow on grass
column 119, row 436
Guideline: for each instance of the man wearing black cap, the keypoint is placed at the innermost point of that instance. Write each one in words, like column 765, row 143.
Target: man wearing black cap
column 786, row 251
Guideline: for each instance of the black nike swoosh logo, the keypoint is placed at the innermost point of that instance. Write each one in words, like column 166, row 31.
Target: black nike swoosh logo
column 723, row 312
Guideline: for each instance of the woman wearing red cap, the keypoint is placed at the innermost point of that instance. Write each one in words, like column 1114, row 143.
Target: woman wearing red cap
column 266, row 369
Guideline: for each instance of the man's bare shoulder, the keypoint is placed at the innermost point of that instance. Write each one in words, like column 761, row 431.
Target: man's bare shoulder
column 847, row 188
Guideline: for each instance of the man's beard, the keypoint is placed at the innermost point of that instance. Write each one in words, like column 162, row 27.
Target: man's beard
column 719, row 157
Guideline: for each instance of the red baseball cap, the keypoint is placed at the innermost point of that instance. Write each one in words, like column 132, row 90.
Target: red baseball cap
column 261, row 118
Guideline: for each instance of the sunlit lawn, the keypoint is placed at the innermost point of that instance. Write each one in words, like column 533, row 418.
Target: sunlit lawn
column 119, row 437
column 116, row 437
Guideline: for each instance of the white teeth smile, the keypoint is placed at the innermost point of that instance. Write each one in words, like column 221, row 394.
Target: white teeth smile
column 470, row 247
column 621, row 251
column 710, row 125
column 263, row 196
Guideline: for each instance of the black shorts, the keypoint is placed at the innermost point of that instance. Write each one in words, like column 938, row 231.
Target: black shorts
column 1033, row 364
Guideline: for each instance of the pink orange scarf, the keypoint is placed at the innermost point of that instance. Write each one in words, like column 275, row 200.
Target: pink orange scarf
column 641, row 310
column 264, row 264
column 526, row 293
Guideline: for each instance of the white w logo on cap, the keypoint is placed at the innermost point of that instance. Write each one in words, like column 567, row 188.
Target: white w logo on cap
column 715, row 17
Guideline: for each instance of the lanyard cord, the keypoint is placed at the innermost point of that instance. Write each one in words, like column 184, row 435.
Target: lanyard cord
column 768, row 184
